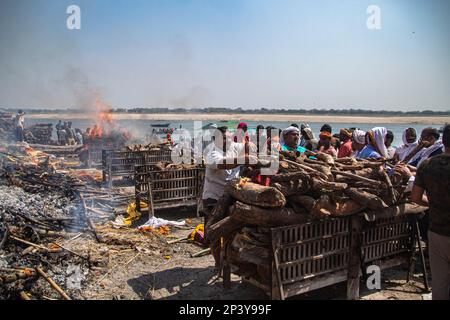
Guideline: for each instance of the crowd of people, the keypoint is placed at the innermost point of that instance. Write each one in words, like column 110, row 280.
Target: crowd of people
column 425, row 159
column 69, row 136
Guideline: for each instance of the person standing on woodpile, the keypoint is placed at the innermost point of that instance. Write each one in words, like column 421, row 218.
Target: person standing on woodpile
column 70, row 134
column 409, row 144
column 358, row 142
column 345, row 150
column 433, row 178
column 78, row 136
column 19, row 122
column 375, row 144
column 428, row 146
column 222, row 163
column 388, row 143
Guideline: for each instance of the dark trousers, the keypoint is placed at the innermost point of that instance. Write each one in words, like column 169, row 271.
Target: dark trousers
column 19, row 134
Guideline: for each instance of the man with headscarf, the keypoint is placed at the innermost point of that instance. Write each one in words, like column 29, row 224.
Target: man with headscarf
column 345, row 150
column 289, row 140
column 308, row 136
column 429, row 146
column 433, row 177
column 375, row 144
column 409, row 138
column 358, row 142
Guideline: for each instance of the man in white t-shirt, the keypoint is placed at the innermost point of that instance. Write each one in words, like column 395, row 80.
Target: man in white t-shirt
column 221, row 166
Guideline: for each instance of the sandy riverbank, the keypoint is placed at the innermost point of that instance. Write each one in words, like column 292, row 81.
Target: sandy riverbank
column 251, row 117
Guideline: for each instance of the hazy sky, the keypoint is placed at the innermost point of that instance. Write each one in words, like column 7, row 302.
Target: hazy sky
column 227, row 53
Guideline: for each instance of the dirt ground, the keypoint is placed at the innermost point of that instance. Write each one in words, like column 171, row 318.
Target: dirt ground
column 160, row 271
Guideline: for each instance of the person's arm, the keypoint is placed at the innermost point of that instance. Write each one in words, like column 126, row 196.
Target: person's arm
column 417, row 196
column 418, row 190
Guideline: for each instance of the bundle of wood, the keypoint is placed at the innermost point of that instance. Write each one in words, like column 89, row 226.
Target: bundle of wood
column 163, row 146
column 165, row 166
column 305, row 188
column 39, row 133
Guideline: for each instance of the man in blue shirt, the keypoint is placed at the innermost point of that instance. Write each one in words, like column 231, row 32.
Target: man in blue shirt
column 289, row 140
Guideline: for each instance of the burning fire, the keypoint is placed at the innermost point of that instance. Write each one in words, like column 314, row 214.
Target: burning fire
column 105, row 126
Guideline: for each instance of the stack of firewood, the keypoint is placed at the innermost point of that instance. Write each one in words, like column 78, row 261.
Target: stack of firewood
column 39, row 133
column 305, row 188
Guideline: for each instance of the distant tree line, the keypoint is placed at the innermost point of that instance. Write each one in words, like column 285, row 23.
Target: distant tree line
column 342, row 112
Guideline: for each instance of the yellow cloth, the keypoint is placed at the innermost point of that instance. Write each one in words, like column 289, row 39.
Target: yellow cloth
column 200, row 227
column 133, row 214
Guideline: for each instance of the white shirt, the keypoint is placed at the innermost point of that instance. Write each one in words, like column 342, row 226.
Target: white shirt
column 215, row 179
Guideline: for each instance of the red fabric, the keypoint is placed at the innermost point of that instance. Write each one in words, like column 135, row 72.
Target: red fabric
column 262, row 180
column 345, row 150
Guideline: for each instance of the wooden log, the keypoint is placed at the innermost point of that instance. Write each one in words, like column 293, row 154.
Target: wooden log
column 366, row 199
column 24, row 296
column 201, row 253
column 306, row 168
column 391, row 194
column 290, row 176
column 358, row 178
column 222, row 228
column 253, row 193
column 349, row 167
column 17, row 276
column 265, row 217
column 328, row 159
column 319, row 184
column 346, row 160
column 288, row 188
column 53, row 283
column 322, row 168
column 394, row 211
column 305, row 201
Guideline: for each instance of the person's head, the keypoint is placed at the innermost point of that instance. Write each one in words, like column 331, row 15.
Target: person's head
column 294, row 125
column 326, row 128
column 221, row 136
column 259, row 129
column 88, row 130
column 389, row 138
column 69, row 124
column 358, row 140
column 446, row 138
column 243, row 126
column 20, row 112
column 307, row 133
column 273, row 134
column 409, row 136
column 345, row 135
column 336, row 141
column 291, row 137
column 429, row 135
